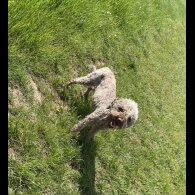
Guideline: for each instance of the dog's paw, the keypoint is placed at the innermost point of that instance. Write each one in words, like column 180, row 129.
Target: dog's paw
column 89, row 138
column 67, row 84
column 74, row 129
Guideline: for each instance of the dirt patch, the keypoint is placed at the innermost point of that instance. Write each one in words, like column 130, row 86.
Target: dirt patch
column 18, row 98
column 12, row 153
column 47, row 192
column 37, row 94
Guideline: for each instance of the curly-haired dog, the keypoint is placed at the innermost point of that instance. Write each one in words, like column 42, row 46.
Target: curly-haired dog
column 109, row 111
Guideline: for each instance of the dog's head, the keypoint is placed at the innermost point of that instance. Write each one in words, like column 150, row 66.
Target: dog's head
column 124, row 113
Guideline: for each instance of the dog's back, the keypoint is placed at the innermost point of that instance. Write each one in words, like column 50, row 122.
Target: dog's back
column 105, row 92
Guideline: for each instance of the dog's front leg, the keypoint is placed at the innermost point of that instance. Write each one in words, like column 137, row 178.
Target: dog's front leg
column 91, row 119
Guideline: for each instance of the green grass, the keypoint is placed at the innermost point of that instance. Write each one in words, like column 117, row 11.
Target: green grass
column 143, row 42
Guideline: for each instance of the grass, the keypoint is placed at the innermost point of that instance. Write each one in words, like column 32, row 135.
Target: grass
column 143, row 42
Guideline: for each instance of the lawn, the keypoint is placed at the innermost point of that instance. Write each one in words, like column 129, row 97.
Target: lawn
column 50, row 42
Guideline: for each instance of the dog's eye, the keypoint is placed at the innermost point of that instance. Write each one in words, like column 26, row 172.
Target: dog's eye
column 129, row 120
column 120, row 109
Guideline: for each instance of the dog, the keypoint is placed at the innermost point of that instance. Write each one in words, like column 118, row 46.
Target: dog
column 109, row 112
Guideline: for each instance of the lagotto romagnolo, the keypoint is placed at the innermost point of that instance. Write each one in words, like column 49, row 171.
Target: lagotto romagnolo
column 108, row 110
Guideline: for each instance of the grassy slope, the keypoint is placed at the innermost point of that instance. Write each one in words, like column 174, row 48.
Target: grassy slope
column 53, row 41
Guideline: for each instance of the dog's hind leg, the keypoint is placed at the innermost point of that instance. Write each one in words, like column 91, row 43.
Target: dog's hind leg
column 86, row 94
column 92, row 80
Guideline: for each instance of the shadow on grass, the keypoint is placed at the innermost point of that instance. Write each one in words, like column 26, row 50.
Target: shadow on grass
column 88, row 149
column 87, row 166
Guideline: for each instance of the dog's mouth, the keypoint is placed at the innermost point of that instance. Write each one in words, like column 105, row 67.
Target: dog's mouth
column 117, row 123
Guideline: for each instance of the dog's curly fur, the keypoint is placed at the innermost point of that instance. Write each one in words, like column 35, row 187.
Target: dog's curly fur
column 109, row 111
